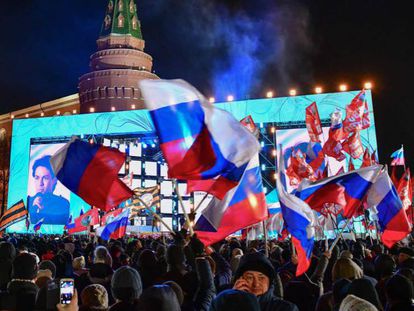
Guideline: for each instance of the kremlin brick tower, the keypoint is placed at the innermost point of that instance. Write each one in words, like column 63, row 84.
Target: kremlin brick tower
column 119, row 63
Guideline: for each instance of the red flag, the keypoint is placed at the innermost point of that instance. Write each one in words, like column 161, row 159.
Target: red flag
column 366, row 159
column 394, row 177
column 374, row 159
column 405, row 190
column 82, row 223
column 365, row 117
column 353, row 145
column 294, row 179
column 333, row 149
column 249, row 124
column 351, row 166
column 313, row 122
column 354, row 113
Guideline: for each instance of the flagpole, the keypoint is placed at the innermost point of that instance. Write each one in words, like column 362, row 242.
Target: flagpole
column 402, row 147
column 201, row 202
column 265, row 238
column 155, row 214
column 340, row 234
column 180, row 199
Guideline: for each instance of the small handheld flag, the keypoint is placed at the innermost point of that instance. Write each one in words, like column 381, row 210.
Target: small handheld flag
column 38, row 225
column 398, row 157
column 117, row 228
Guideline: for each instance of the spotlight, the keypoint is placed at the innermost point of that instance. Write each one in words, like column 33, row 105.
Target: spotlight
column 133, row 106
column 12, row 116
column 292, row 92
column 318, row 90
column 113, row 108
column 91, row 109
column 74, row 111
column 274, row 152
column 211, row 99
column 144, row 145
column 272, row 129
column 263, row 167
column 42, row 114
column 269, row 94
column 58, row 113
column 262, row 144
column 230, row 98
column 153, row 145
column 367, row 85
column 26, row 115
column 343, row 87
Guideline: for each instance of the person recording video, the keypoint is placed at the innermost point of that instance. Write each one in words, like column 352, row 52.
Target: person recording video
column 53, row 209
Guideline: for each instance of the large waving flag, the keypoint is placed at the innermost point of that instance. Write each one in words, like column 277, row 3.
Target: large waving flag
column 242, row 206
column 82, row 223
column 38, row 225
column 299, row 220
column 398, row 157
column 13, row 214
column 353, row 145
column 198, row 140
column 392, row 218
column 117, row 227
column 313, row 122
column 405, row 190
column 347, row 190
column 91, row 171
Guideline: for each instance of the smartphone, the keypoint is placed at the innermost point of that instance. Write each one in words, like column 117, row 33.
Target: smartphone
column 66, row 291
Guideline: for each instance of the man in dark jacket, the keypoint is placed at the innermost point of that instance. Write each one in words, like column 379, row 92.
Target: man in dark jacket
column 7, row 254
column 255, row 275
column 21, row 291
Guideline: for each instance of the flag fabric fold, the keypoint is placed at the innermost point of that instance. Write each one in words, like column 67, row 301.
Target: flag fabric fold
column 116, row 229
column 392, row 219
column 299, row 220
column 91, row 172
column 347, row 190
column 313, row 122
column 198, row 140
column 242, row 206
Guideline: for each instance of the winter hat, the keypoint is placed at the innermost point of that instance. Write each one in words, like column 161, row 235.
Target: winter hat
column 340, row 290
column 161, row 298
column 399, row 288
column 48, row 265
column 255, row 262
column 24, row 267
column 354, row 303
column 346, row 254
column 78, row 263
column 177, row 289
column 236, row 300
column 347, row 269
column 126, row 284
column 95, row 297
column 364, row 289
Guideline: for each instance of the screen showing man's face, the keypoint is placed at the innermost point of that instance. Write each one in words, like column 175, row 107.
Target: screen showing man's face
column 44, row 181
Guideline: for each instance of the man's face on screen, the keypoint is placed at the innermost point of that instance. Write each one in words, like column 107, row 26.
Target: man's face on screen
column 44, row 181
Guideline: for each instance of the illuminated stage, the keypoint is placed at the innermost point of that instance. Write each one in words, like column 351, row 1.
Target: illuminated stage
column 280, row 121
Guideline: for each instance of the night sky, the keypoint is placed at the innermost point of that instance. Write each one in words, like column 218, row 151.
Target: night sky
column 239, row 47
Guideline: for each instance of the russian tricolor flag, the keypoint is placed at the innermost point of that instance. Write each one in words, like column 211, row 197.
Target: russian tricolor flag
column 91, row 171
column 198, row 140
column 117, row 227
column 347, row 190
column 299, row 220
column 242, row 206
column 392, row 218
column 38, row 225
column 398, row 157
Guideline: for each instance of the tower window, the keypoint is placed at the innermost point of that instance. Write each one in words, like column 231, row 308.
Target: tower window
column 135, row 23
column 131, row 6
column 110, row 6
column 121, row 20
column 107, row 22
column 120, row 5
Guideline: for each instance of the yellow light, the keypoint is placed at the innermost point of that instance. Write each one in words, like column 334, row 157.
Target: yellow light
column 292, row 92
column 74, row 111
column 367, row 85
column 26, row 115
column 42, row 114
column 252, row 200
column 133, row 106
column 91, row 141
column 12, row 116
column 58, row 112
column 274, row 152
column 274, row 176
column 113, row 109
column 211, row 99
column 343, row 87
column 91, row 109
column 230, row 98
column 272, row 129
column 318, row 90
column 269, row 94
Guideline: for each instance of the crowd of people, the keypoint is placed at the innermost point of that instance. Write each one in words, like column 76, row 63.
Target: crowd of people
column 180, row 273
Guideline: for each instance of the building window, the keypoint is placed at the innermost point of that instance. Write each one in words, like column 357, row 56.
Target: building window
column 121, row 20
column 110, row 6
column 120, row 5
column 131, row 6
column 135, row 22
column 107, row 22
